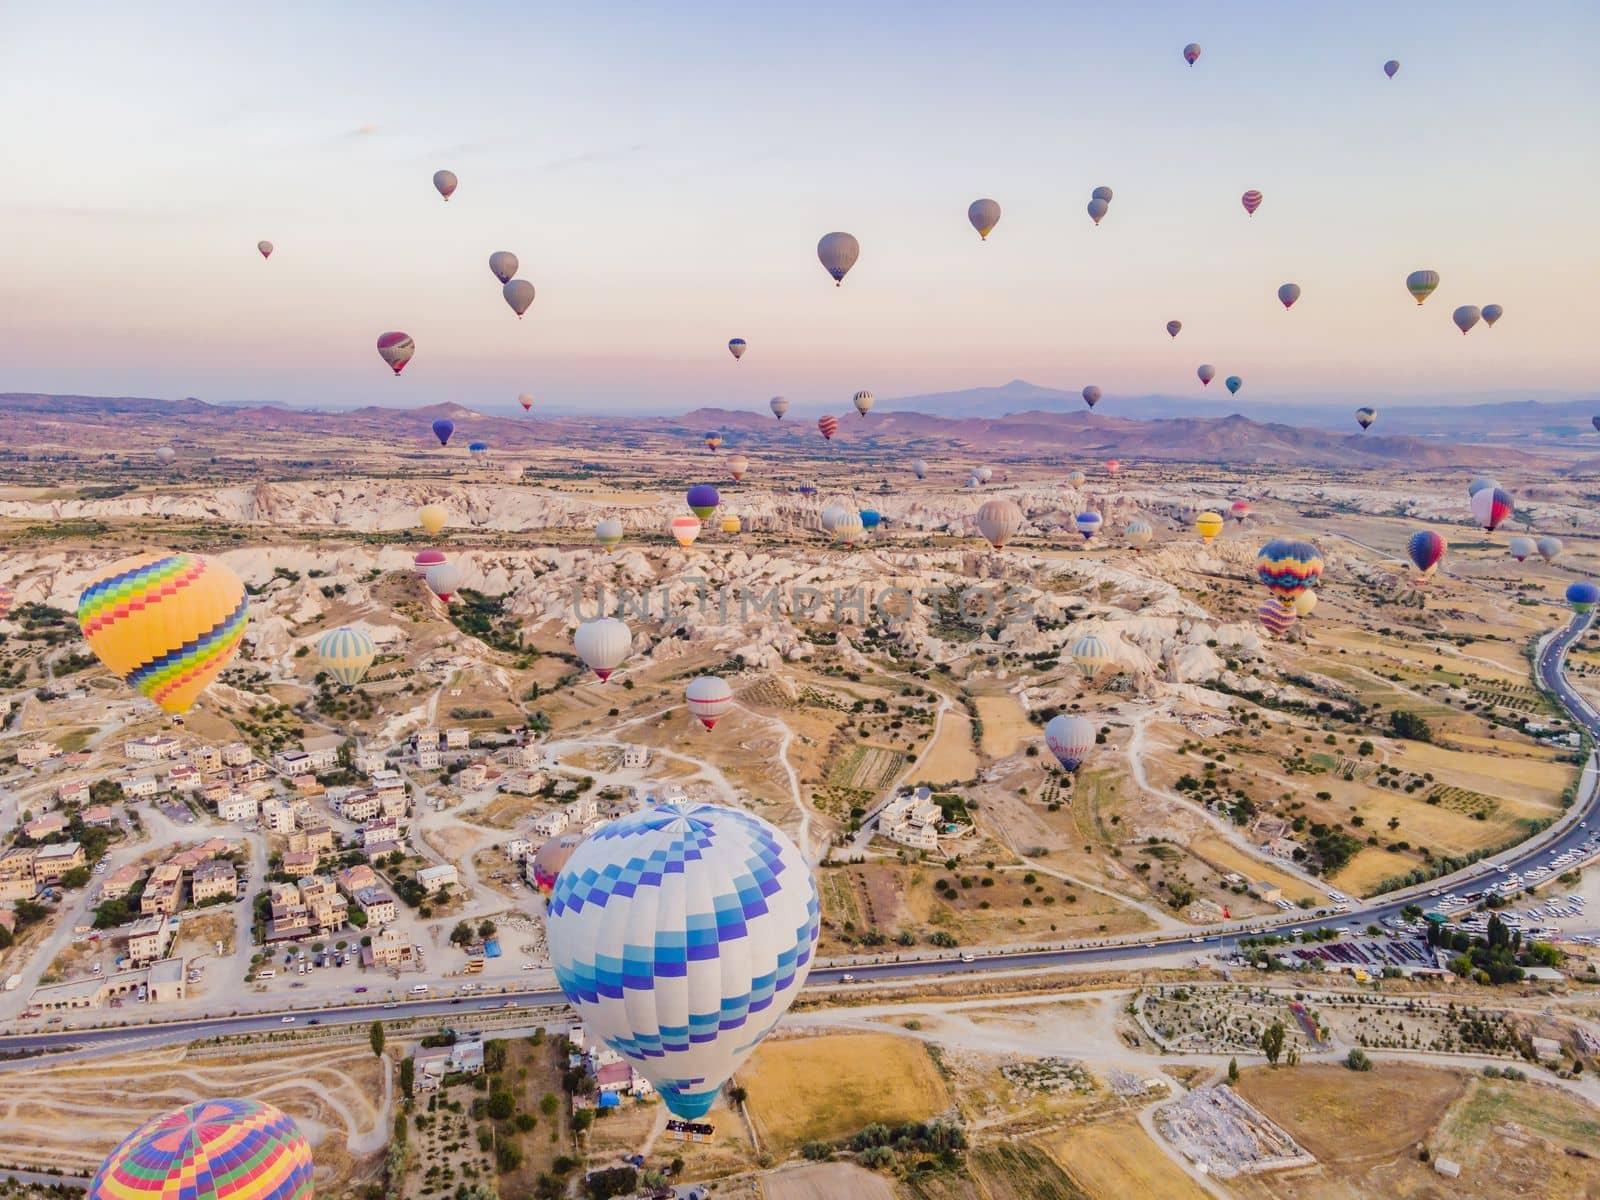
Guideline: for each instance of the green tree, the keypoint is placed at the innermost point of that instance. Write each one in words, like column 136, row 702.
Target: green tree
column 407, row 1075
column 1357, row 1060
column 1272, row 1039
column 502, row 1105
column 375, row 1036
column 738, row 1095
column 1233, row 1071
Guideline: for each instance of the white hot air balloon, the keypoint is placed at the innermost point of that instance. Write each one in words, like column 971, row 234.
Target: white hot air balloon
column 444, row 183
column 519, row 295
column 504, row 264
column 779, row 406
column 608, row 533
column 919, row 468
column 863, row 401
column 984, row 474
column 1070, row 739
column 838, row 253
column 265, row 248
column 1523, row 548
column 1465, row 317
column 849, row 529
column 998, row 521
column 166, row 455
column 833, row 515
column 603, row 644
column 709, row 698
column 443, row 580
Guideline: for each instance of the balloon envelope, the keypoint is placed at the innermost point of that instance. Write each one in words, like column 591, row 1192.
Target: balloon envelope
column 433, row 517
column 1208, row 525
column 1097, row 210
column 1233, row 383
column 526, row 400
column 1206, row 373
column 1366, row 416
column 1191, row 52
column 703, row 500
column 998, row 521
column 1287, row 568
column 738, row 464
column 504, row 265
column 736, row 348
column 265, row 248
column 445, row 183
column 346, row 653
column 1088, row 524
column 396, row 349
column 1549, row 548
column 166, row 454
column 1582, row 595
column 1421, row 284
column 1492, row 313
column 984, row 215
column 1425, row 549
column 1491, row 506
column 838, row 253
column 1139, row 532
column 1091, row 395
column 1390, row 67
column 603, row 644
column 828, row 426
column 443, row 427
column 1251, row 201
column 443, row 580
column 863, row 400
column 1522, row 548
column 608, row 532
column 221, row 1149
column 919, row 468
column 1478, row 484
column 1091, row 655
column 779, row 406
column 1070, row 739
column 684, row 530
column 709, row 698
column 1288, row 293
column 1173, row 328
column 1101, row 193
column 1275, row 617
column 1466, row 316
column 1304, row 604
column 519, row 295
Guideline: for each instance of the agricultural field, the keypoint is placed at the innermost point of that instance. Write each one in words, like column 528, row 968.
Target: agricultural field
column 952, row 756
column 826, row 1181
column 1006, row 728
column 1512, row 1139
column 1115, row 1159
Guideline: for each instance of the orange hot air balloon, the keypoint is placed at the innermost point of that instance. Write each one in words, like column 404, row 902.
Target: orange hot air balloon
column 828, row 426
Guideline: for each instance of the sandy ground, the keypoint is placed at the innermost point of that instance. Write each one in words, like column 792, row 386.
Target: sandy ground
column 826, row 1181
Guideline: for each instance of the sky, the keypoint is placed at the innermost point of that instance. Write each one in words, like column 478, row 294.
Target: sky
column 664, row 173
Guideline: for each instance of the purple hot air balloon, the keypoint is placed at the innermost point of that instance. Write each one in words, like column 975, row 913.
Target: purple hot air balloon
column 442, row 429
column 703, row 500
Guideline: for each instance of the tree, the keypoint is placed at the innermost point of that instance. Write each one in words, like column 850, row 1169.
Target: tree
column 75, row 878
column 549, row 1104
column 486, row 929
column 1233, row 1071
column 1272, row 1039
column 1357, row 1060
column 1410, row 726
column 407, row 1074
column 502, row 1105
column 738, row 1095
column 461, row 934
column 375, row 1036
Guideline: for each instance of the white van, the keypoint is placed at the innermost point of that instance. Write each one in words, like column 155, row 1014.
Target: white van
column 269, row 973
column 420, row 989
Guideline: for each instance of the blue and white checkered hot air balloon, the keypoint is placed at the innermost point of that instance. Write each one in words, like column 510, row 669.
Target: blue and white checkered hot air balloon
column 346, row 653
column 682, row 934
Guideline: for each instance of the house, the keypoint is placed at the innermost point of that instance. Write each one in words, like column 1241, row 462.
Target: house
column 531, row 755
column 120, row 882
column 140, row 787
column 523, row 783
column 912, row 819
column 73, row 791
column 16, row 872
column 205, row 759
column 237, row 754
column 306, row 785
column 359, row 806
column 324, row 751
column 352, row 879
column 297, row 863
column 379, row 832
column 1270, row 892
column 457, row 738
column 238, row 809
column 249, row 772
column 151, row 748
column 214, row 791
column 582, row 810
column 55, row 860
column 389, row 948
column 370, row 762
column 329, row 910
column 433, row 879
column 277, row 817
column 389, row 785
column 98, row 815
column 518, row 849
column 377, row 904
column 46, row 826
column 472, row 776
column 148, row 939
column 430, row 1064
column 549, row 824
column 635, row 757
column 312, row 758
column 32, row 753
column 426, row 738
column 1546, row 1050
column 690, row 1131
column 318, row 838
column 427, row 759
column 184, row 778
column 1448, row 1167
column 160, row 982
column 163, row 891
column 214, row 878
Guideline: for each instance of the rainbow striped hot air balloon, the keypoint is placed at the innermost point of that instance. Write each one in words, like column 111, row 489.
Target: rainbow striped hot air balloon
column 713, row 441
column 684, row 530
column 165, row 623
column 1288, row 568
column 210, row 1150
column 1425, row 549
column 1582, row 595
column 346, row 653
column 1275, row 617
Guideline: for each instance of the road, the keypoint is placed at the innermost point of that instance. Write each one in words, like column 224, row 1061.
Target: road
column 1571, row 832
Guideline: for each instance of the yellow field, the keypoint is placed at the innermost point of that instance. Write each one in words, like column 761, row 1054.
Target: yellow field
column 952, row 756
column 1226, row 857
column 825, row 1088
column 1371, row 867
column 1115, row 1159
column 1511, row 771
column 1006, row 728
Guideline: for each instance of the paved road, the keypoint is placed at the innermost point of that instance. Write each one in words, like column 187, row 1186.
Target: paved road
column 1572, row 834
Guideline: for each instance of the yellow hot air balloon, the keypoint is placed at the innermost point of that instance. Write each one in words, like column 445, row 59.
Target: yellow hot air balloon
column 730, row 523
column 165, row 623
column 1305, row 603
column 433, row 518
column 1208, row 525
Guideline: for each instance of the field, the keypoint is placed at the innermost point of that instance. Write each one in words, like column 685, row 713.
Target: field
column 864, row 1077
column 1226, row 857
column 1004, row 1170
column 1115, row 1159
column 824, row 1181
column 951, row 757
column 1006, row 728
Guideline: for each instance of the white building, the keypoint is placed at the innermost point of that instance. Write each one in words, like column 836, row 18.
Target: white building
column 152, row 748
column 31, row 754
column 236, row 754
column 582, row 810
column 547, row 825
column 531, row 755
column 425, row 739
column 518, row 849
column 912, row 820
column 277, row 817
column 432, row 879
column 635, row 757
column 457, row 738
column 428, row 759
column 141, row 787
column 237, row 808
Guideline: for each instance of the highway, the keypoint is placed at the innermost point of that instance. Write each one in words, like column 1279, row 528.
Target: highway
column 1570, row 834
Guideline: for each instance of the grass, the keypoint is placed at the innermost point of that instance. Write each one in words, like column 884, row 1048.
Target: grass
column 1543, row 1110
column 1115, row 1159
column 952, row 755
column 1006, row 727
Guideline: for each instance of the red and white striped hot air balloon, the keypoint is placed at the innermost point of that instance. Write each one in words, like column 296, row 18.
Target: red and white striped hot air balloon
column 709, row 697
column 828, row 426
column 1251, row 201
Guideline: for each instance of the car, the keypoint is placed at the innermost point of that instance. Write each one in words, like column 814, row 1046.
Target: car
column 529, row 967
column 847, row 978
column 314, row 1021
column 510, row 1004
column 1197, row 940
column 286, row 1021
column 967, row 958
column 1436, row 892
column 455, row 999
column 391, row 1004
column 361, row 989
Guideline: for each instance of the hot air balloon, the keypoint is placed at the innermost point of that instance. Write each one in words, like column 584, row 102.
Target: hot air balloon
column 1091, row 395
column 552, row 856
column 849, row 529
column 1549, row 548
column 603, row 644
column 526, row 400
column 1070, row 739
column 1240, row 510
column 1465, row 317
column 738, row 464
column 1421, row 284
column 1091, row 655
column 166, row 455
column 1275, row 617
column 8, row 601
column 425, row 559
column 396, row 349
column 984, row 474
column 1287, row 568
column 1233, row 384
column 1491, row 314
column 1097, row 210
column 1478, row 484
column 265, row 248
column 703, row 500
column 713, row 441
column 1208, row 525
column 1077, row 479
column 1305, row 604
column 519, row 295
column 1206, row 373
column 832, row 514
column 779, row 406
column 1251, row 201
column 165, row 623
column 1425, row 549
column 828, row 426
column 1390, row 67
column 1522, row 547
column 1582, row 595
column 503, row 265
column 871, row 518
column 684, row 529
column 709, row 698
column 443, row 580
column 1288, row 293
column 1173, row 328
column 838, row 253
column 736, row 348
column 211, row 1150
column 729, row 913
column 1595, row 421
column 730, row 523
column 608, row 533
column 1191, row 52
column 863, row 401
column 998, row 521
column 1139, row 532
column 1113, row 466
column 1366, row 416
column 919, row 468
column 346, row 653
column 433, row 518
column 1101, row 193
column 443, row 427
column 1492, row 506
column 478, row 450
column 984, row 215
column 1088, row 524
column 807, row 489
column 445, row 183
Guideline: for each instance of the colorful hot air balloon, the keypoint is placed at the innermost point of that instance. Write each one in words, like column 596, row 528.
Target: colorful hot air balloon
column 827, row 426
column 1173, row 328
column 478, row 450
column 736, row 348
column 703, row 500
column 1287, row 568
column 1233, row 383
column 265, row 248
column 863, row 400
column 1088, row 524
column 1076, row 479
column 603, row 644
column 396, row 349
column 608, row 533
column 730, row 523
column 1240, row 510
column 1098, row 210
column 444, row 183
column 1478, row 484
column 519, row 295
column 443, row 427
column 165, row 623
column 1091, row 655
column 424, row 559
column 346, row 653
column 1101, row 193
column 684, row 530
column 1522, row 547
column 738, row 465
column 1206, row 373
column 709, row 698
column 984, row 215
column 849, row 528
column 779, row 406
column 1251, row 201
column 1421, row 284
column 1549, row 548
column 1305, row 604
column 1425, row 549
column 1390, row 67
column 433, row 518
column 1091, row 395
column 919, row 468
column 1208, row 525
column 1139, row 532
column 1465, row 317
column 1288, row 293
column 1492, row 313
column 209, row 1150
column 552, row 857
column 1366, row 416
column 1191, row 53
column 1492, row 506
column 998, row 521
column 1070, row 739
column 1275, row 617
column 526, row 400
column 1595, row 421
column 727, row 914
column 807, row 489
column 1113, row 466
column 443, row 580
column 1582, row 595
column 838, row 253
column 503, row 265
column 831, row 515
